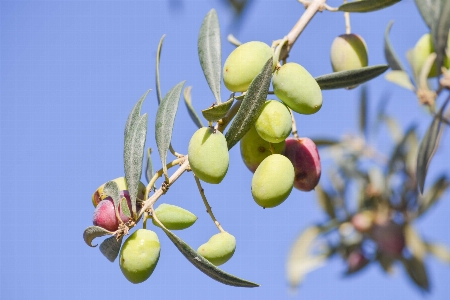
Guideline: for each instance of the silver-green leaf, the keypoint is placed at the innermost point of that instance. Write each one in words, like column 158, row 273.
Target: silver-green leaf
column 439, row 33
column 158, row 58
column 133, row 157
column 165, row 118
column 149, row 172
column 217, row 112
column 124, row 207
column 389, row 52
column 205, row 266
column 210, row 52
column 429, row 9
column 111, row 189
column 366, row 5
column 350, row 78
column 110, row 248
column 400, row 78
column 192, row 113
column 135, row 114
column 93, row 232
column 251, row 105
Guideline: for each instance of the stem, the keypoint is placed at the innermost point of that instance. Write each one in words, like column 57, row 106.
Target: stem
column 348, row 28
column 163, row 189
column 294, row 125
column 176, row 154
column 313, row 7
column 222, row 124
column 159, row 174
column 205, row 201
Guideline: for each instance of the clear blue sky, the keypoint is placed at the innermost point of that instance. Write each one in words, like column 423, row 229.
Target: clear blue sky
column 71, row 72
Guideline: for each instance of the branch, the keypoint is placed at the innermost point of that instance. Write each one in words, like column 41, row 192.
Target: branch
column 205, row 201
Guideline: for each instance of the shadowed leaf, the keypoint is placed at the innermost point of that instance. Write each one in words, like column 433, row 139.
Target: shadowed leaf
column 401, row 150
column 433, row 194
column 325, row 201
column 217, row 112
column 112, row 190
column 439, row 33
column 165, row 118
column 325, row 142
column 110, row 248
column 124, row 207
column 251, row 105
column 93, row 232
column 349, row 78
column 149, row 172
column 210, row 52
column 366, row 5
column 429, row 10
column 389, row 52
column 363, row 111
column 417, row 272
column 386, row 262
column 192, row 113
column 158, row 58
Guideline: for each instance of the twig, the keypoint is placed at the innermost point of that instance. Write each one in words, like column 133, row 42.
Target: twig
column 176, row 154
column 348, row 28
column 205, row 201
column 222, row 124
column 294, row 125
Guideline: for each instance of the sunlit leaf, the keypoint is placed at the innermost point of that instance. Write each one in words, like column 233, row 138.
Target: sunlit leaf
column 417, row 272
column 400, row 78
column 377, row 179
column 210, row 52
column 366, row 5
column 112, row 189
column 433, row 194
column 415, row 242
column 124, row 207
column 110, row 248
column 192, row 113
column 158, row 58
column 251, row 105
column 363, row 111
column 217, row 112
column 350, row 78
column 300, row 259
column 429, row 9
column 149, row 172
column 204, row 265
column 440, row 251
column 165, row 118
column 93, row 232
column 325, row 201
column 133, row 154
column 389, row 52
column 439, row 33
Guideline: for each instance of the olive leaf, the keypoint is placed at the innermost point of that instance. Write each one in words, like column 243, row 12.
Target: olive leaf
column 110, row 248
column 210, row 52
column 389, row 52
column 386, row 262
column 165, row 118
column 158, row 58
column 429, row 10
column 415, row 242
column 149, row 172
column 111, row 189
column 325, row 201
column 204, row 265
column 124, row 207
column 434, row 193
column 417, row 272
column 349, row 78
column 217, row 112
column 251, row 105
column 133, row 156
column 400, row 150
column 300, row 260
column 323, row 142
column 93, row 232
column 439, row 33
column 366, row 5
column 441, row 252
column 363, row 111
column 192, row 113
column 401, row 78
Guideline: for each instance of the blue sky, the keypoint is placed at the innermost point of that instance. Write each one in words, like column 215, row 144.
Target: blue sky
column 70, row 73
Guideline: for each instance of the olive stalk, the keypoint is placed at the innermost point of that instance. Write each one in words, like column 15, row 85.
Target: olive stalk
column 208, row 207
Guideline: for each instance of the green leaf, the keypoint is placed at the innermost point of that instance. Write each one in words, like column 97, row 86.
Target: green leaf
column 133, row 156
column 417, row 272
column 205, row 266
column 110, row 248
column 192, row 113
column 429, row 9
column 427, row 148
column 414, row 242
column 210, row 52
column 325, row 142
column 350, row 78
column 325, row 201
column 400, row 78
column 134, row 115
column 93, row 232
column 111, row 189
column 251, row 105
column 389, row 52
column 158, row 57
column 363, row 111
column 432, row 195
column 440, row 251
column 300, row 260
column 366, row 5
column 149, row 172
column 386, row 262
column 124, row 207
column 439, row 32
column 400, row 150
column 165, row 118
column 217, row 112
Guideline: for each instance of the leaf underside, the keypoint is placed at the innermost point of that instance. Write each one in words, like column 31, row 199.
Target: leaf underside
column 93, row 232
column 217, row 112
column 389, row 52
column 110, row 248
column 366, row 5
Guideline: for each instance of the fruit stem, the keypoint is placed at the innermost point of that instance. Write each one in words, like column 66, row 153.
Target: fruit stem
column 294, row 125
column 205, row 201
column 176, row 154
column 223, row 123
column 159, row 174
column 144, row 223
column 313, row 7
column 150, row 201
column 348, row 28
